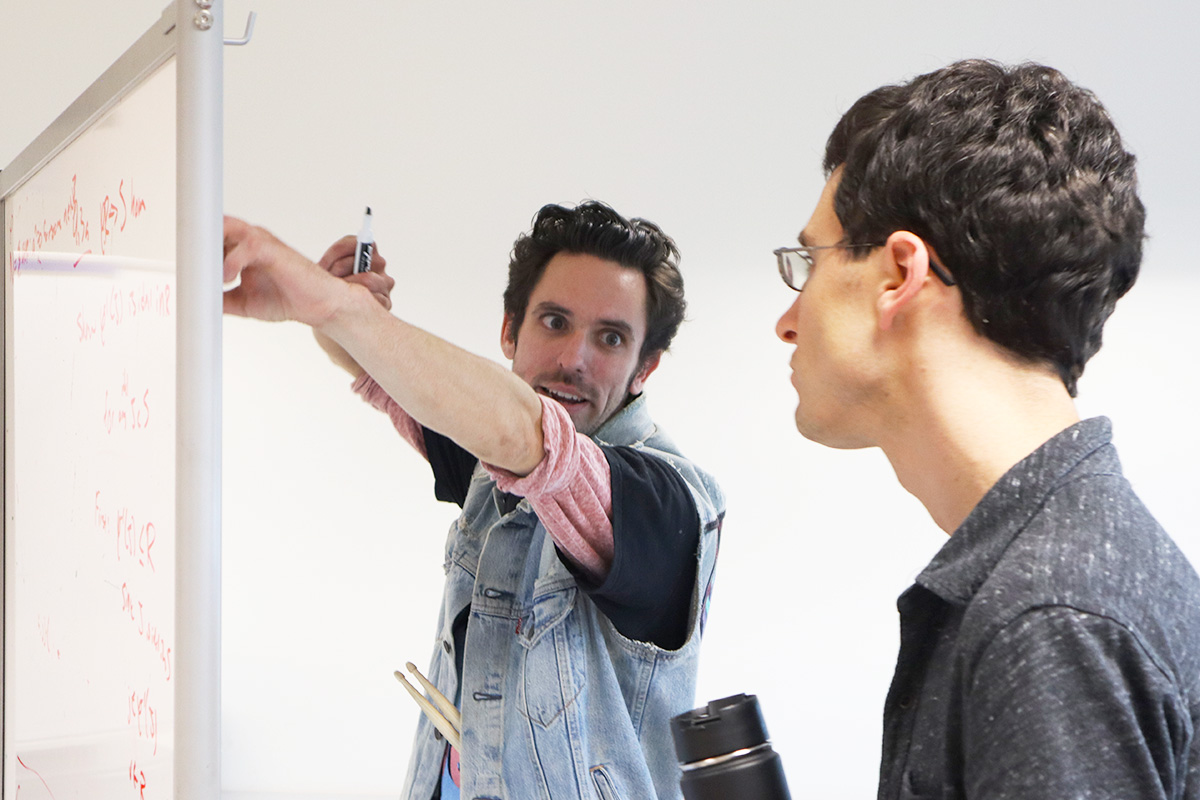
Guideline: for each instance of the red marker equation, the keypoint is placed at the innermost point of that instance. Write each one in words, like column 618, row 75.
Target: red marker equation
column 146, row 630
column 127, row 411
column 121, row 306
column 144, row 716
column 135, row 538
column 113, row 214
column 138, row 776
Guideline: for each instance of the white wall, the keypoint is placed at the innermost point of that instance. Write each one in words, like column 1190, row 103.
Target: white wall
column 455, row 122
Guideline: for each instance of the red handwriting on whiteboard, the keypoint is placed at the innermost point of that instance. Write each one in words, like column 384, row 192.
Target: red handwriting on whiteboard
column 43, row 624
column 129, row 411
column 116, row 210
column 146, row 629
column 115, row 213
column 35, row 774
column 145, row 716
column 138, row 776
column 121, row 306
column 47, row 231
column 112, row 215
column 135, row 539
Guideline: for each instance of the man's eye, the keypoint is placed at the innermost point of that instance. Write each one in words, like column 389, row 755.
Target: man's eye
column 613, row 339
column 554, row 322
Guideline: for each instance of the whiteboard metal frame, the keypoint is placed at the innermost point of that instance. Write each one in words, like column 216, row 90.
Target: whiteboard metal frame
column 198, row 257
column 191, row 31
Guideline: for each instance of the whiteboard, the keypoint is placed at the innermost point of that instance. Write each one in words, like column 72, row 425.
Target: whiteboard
column 91, row 609
column 95, row 214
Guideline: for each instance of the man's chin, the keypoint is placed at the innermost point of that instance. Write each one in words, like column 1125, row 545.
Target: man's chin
column 829, row 435
column 584, row 420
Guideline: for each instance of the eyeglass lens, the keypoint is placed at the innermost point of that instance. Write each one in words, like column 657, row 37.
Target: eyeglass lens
column 794, row 267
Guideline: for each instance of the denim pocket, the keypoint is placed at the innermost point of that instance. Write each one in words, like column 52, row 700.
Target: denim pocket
column 605, row 787
column 546, row 611
column 554, row 668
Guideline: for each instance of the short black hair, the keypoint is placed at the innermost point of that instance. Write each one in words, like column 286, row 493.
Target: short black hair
column 594, row 228
column 1019, row 181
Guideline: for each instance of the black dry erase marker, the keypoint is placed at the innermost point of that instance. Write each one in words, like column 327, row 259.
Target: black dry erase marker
column 365, row 245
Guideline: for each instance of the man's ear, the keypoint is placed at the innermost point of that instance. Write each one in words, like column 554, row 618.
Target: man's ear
column 648, row 366
column 508, row 337
column 910, row 257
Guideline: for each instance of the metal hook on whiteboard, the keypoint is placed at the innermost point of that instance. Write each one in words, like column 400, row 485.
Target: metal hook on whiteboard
column 249, row 32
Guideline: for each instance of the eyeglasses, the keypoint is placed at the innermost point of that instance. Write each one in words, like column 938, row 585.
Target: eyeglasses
column 795, row 263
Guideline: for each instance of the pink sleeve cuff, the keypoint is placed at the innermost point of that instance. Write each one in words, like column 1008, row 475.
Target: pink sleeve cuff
column 370, row 391
column 570, row 490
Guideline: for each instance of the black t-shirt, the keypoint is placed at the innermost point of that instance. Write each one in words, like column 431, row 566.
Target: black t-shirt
column 656, row 530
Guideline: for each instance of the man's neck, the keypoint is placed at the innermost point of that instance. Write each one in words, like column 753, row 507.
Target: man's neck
column 969, row 430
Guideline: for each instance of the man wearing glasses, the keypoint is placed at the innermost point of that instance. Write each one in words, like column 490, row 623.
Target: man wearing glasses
column 978, row 225
column 578, row 574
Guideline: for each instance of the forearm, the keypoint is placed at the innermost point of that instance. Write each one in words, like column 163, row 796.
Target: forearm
column 479, row 404
column 339, row 356
column 408, row 428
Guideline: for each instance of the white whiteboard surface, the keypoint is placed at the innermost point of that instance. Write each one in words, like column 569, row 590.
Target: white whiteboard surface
column 89, row 650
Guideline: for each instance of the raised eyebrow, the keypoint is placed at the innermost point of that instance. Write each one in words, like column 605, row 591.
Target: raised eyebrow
column 555, row 308
column 620, row 326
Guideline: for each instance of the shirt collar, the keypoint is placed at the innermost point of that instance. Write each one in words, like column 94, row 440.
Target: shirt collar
column 630, row 425
column 965, row 562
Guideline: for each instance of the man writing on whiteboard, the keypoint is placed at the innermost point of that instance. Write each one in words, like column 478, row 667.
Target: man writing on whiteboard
column 579, row 570
column 978, row 225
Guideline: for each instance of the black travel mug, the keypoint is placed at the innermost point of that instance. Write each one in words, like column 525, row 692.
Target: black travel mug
column 724, row 752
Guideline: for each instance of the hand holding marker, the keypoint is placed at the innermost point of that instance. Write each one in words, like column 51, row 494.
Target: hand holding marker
column 365, row 246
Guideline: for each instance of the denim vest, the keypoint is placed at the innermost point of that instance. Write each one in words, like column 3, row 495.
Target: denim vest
column 555, row 702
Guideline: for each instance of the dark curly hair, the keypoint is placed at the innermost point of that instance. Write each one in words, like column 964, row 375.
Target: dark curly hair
column 594, row 228
column 1018, row 180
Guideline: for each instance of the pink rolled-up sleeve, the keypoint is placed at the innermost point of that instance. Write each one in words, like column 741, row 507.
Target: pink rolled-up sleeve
column 570, row 490
column 370, row 391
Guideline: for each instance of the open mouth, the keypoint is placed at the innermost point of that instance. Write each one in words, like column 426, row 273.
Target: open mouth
column 568, row 400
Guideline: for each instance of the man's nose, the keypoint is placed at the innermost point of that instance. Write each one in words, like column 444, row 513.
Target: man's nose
column 785, row 328
column 573, row 356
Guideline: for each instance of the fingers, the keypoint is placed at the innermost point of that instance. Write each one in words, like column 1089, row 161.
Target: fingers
column 380, row 285
column 378, row 262
column 234, row 302
column 338, row 261
column 235, row 249
column 339, row 258
column 248, row 246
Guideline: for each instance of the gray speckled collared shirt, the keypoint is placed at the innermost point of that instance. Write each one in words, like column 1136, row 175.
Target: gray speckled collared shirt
column 1051, row 649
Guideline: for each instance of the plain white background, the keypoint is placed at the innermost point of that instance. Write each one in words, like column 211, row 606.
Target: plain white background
column 455, row 122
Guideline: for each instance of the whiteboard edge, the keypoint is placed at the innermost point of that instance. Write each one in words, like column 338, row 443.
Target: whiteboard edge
column 148, row 53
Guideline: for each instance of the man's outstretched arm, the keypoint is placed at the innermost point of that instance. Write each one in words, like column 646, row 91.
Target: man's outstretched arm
column 482, row 406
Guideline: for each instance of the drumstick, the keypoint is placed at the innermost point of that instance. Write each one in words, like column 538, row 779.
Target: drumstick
column 440, row 700
column 435, row 716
